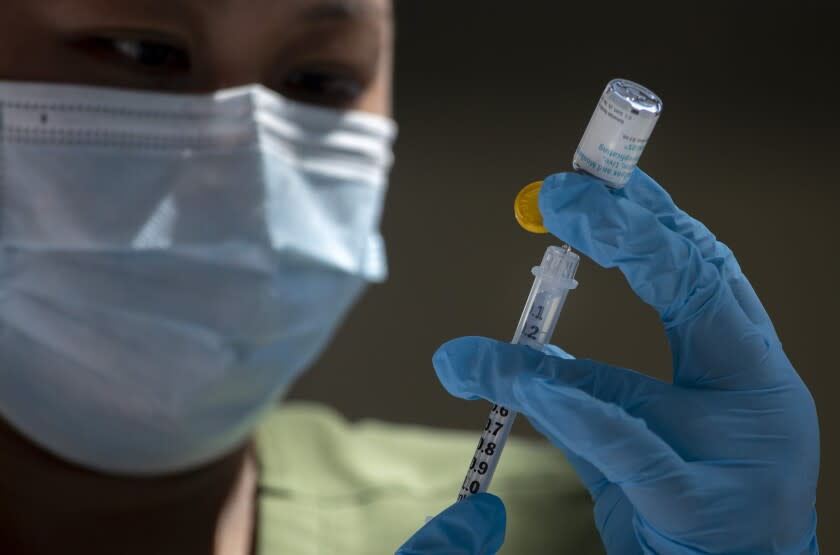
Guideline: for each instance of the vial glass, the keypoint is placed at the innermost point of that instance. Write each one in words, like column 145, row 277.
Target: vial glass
column 618, row 132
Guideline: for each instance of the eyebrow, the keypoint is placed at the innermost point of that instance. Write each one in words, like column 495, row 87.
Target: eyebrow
column 339, row 10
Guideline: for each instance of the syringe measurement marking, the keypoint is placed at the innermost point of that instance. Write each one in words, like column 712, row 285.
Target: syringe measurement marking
column 532, row 330
column 534, row 333
column 485, row 451
column 488, row 452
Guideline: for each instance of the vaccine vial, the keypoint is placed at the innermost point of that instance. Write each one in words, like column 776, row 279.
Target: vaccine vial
column 618, row 132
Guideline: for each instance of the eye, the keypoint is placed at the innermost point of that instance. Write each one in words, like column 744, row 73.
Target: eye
column 328, row 87
column 150, row 53
column 143, row 53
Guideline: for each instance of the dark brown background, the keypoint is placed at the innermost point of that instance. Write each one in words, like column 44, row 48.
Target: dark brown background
column 493, row 95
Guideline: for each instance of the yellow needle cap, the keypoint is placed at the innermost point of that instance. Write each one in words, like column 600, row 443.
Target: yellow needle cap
column 527, row 210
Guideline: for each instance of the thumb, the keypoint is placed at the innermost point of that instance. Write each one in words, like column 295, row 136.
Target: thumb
column 577, row 404
column 474, row 526
column 477, row 367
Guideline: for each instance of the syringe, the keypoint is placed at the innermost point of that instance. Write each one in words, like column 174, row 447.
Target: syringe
column 553, row 279
column 610, row 149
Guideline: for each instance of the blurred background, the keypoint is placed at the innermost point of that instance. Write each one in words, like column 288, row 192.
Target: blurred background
column 491, row 97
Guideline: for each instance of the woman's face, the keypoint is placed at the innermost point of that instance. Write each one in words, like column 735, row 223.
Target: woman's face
column 333, row 53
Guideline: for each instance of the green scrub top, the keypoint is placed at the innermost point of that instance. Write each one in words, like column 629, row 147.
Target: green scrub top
column 331, row 487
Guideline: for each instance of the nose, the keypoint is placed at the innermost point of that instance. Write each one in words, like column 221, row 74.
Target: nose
column 232, row 51
column 225, row 71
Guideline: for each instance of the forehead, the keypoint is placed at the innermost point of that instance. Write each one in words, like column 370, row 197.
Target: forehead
column 338, row 9
column 282, row 10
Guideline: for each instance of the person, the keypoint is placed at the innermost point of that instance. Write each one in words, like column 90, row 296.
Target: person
column 191, row 199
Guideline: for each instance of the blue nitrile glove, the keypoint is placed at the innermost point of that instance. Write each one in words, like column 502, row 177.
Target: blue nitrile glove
column 724, row 459
column 474, row 526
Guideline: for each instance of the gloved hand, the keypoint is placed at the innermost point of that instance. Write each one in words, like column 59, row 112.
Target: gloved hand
column 474, row 526
column 724, row 459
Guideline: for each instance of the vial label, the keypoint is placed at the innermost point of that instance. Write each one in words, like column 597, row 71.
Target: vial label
column 613, row 141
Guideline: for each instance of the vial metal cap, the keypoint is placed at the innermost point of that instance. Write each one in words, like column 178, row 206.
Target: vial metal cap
column 634, row 97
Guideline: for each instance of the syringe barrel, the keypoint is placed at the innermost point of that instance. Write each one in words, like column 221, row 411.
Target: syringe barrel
column 554, row 278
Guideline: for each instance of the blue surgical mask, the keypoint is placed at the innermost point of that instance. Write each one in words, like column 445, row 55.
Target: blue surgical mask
column 169, row 264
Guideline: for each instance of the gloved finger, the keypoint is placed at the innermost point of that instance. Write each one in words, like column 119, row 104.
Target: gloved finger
column 715, row 349
column 556, row 351
column 614, row 520
column 591, row 477
column 646, row 192
column 574, row 403
column 474, row 526
column 482, row 365
column 478, row 367
column 664, row 268
column 620, row 446
column 720, row 348
column 667, row 271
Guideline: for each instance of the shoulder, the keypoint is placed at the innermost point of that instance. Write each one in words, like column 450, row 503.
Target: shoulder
column 386, row 478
